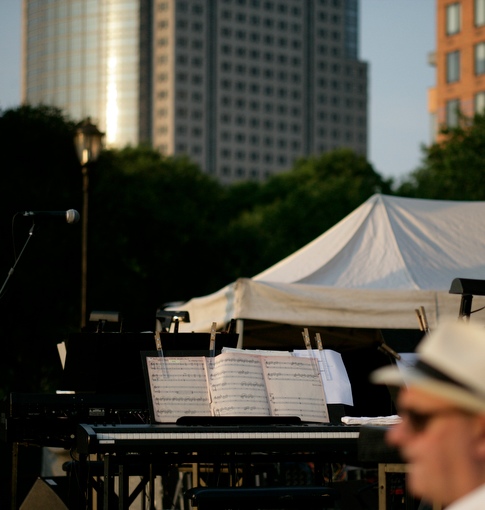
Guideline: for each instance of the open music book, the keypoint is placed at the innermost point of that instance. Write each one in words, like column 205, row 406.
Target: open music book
column 235, row 384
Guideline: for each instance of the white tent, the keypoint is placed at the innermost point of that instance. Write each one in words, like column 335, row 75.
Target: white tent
column 371, row 270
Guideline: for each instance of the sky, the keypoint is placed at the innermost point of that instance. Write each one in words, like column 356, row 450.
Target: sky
column 396, row 37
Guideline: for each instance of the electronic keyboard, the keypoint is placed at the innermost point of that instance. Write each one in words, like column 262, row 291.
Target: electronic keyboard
column 245, row 438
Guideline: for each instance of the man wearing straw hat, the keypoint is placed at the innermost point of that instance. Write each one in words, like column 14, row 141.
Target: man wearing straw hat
column 441, row 402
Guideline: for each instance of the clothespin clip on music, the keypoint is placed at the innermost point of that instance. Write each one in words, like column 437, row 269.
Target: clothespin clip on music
column 422, row 319
column 385, row 349
column 306, row 339
column 318, row 339
column 158, row 345
column 308, row 345
column 212, row 342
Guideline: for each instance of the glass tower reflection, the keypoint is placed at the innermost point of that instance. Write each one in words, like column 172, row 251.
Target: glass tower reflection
column 83, row 57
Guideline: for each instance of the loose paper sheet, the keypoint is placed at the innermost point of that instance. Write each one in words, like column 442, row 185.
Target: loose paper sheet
column 408, row 359
column 334, row 375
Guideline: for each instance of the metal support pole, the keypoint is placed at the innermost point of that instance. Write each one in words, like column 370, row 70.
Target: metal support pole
column 84, row 253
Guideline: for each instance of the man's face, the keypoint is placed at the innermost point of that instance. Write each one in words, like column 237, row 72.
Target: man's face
column 440, row 443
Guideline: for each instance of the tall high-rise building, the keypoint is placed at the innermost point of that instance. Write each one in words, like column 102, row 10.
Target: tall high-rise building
column 459, row 61
column 243, row 87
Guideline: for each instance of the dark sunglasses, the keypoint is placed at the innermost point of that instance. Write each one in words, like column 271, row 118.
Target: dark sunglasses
column 418, row 422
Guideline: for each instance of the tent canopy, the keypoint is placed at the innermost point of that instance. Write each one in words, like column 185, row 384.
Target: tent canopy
column 371, row 270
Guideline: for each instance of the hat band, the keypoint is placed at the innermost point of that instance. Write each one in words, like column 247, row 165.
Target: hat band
column 440, row 376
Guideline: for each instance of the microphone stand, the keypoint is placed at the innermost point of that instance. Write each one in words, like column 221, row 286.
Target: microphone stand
column 12, row 269
column 16, row 446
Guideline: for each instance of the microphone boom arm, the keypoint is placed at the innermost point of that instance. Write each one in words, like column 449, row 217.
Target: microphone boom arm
column 12, row 269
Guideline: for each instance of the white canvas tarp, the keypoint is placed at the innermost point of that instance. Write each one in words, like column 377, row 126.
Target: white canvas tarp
column 371, row 270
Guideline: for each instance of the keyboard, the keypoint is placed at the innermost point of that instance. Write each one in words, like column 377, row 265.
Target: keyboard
column 168, row 438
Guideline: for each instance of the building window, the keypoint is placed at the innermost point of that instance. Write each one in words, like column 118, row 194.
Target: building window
column 453, row 21
column 452, row 66
column 480, row 103
column 452, row 112
column 479, row 13
column 480, row 58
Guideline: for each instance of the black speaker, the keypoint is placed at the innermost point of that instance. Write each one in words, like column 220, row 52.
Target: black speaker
column 46, row 493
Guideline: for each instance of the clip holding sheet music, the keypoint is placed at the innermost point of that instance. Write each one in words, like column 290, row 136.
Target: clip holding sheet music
column 318, row 339
column 385, row 349
column 422, row 319
column 306, row 339
column 158, row 344
column 212, row 341
column 308, row 345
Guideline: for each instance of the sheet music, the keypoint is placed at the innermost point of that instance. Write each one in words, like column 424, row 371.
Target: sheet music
column 237, row 385
column 260, row 352
column 178, row 387
column 408, row 359
column 295, row 388
column 334, row 375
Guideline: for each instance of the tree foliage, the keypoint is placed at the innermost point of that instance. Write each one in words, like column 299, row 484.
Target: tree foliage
column 155, row 231
column 293, row 208
column 159, row 230
column 454, row 167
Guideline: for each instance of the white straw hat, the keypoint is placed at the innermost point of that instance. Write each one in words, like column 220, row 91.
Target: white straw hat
column 451, row 364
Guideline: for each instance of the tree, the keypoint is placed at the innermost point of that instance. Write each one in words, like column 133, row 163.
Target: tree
column 155, row 232
column 40, row 171
column 453, row 168
column 159, row 230
column 293, row 208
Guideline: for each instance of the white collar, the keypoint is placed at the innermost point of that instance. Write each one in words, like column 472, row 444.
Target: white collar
column 474, row 500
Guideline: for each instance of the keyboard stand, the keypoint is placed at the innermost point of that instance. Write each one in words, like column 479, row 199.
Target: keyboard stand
column 236, row 498
column 389, row 469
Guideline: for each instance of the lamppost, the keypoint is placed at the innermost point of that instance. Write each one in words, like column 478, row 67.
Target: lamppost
column 88, row 141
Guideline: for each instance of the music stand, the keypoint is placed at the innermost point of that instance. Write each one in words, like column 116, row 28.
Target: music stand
column 467, row 288
column 105, row 363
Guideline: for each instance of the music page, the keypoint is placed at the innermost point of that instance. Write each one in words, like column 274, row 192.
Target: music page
column 295, row 388
column 178, row 387
column 237, row 385
column 336, row 382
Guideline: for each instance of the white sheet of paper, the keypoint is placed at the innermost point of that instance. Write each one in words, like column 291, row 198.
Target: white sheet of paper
column 408, row 359
column 178, row 387
column 334, row 375
column 294, row 388
column 237, row 386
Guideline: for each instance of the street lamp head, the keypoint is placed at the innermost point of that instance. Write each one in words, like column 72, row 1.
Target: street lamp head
column 88, row 142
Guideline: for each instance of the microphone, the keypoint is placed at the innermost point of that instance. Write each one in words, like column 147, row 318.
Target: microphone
column 71, row 216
